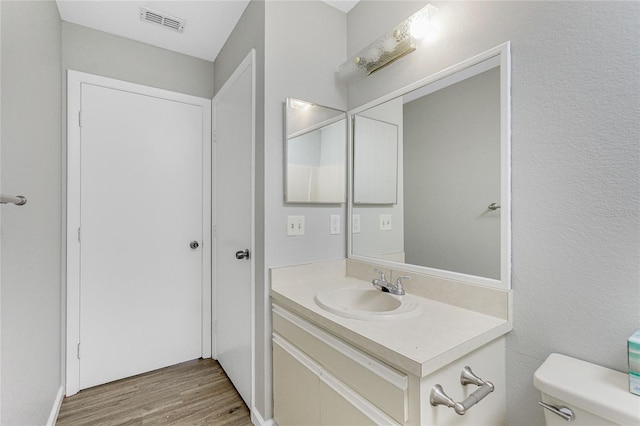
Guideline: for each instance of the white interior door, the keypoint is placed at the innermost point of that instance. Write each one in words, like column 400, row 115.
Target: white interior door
column 233, row 109
column 141, row 208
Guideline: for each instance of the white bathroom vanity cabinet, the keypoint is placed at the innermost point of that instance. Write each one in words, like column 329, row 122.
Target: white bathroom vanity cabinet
column 332, row 370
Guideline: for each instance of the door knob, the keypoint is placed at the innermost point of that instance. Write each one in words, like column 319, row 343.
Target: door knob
column 242, row 254
column 194, row 245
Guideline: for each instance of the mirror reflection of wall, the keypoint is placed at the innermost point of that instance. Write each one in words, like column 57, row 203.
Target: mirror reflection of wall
column 371, row 241
column 451, row 175
column 315, row 148
column 449, row 171
column 375, row 161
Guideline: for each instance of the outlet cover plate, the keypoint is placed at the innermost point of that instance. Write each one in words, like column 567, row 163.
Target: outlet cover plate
column 335, row 224
column 355, row 224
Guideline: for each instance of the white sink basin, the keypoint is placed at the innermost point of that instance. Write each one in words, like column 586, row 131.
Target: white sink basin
column 366, row 303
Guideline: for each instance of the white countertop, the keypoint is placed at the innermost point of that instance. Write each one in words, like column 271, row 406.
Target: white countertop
column 420, row 345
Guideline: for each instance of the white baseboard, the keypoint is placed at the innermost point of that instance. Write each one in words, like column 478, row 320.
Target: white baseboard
column 257, row 419
column 55, row 410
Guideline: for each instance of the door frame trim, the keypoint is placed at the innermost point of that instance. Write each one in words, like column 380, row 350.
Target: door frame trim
column 75, row 79
column 249, row 62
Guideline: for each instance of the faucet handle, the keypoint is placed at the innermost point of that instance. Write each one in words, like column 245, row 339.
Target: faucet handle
column 399, row 280
column 382, row 276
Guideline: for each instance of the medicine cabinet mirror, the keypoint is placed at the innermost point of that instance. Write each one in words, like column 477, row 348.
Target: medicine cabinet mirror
column 315, row 153
column 433, row 194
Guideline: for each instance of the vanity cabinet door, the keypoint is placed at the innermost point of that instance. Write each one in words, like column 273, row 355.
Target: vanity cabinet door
column 372, row 380
column 306, row 394
column 337, row 410
column 296, row 388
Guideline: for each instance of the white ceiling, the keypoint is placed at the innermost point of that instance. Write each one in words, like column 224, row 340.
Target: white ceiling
column 343, row 5
column 209, row 22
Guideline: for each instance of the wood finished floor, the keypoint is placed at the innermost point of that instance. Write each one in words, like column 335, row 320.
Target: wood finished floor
column 192, row 393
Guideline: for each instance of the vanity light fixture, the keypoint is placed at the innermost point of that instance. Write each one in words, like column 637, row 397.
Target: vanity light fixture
column 391, row 46
column 298, row 104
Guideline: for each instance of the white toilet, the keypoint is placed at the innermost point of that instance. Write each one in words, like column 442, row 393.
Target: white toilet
column 594, row 395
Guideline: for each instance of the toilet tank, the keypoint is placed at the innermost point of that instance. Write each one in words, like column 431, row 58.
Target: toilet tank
column 596, row 395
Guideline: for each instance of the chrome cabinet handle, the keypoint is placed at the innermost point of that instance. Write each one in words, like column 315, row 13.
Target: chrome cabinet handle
column 438, row 397
column 194, row 245
column 242, row 254
column 564, row 412
column 493, row 206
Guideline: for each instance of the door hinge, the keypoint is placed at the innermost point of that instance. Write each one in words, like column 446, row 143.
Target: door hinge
column 79, row 118
column 79, row 236
column 215, row 231
column 215, row 326
column 214, row 136
column 78, row 350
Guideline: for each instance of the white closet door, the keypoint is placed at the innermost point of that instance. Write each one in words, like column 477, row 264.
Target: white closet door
column 233, row 115
column 141, row 207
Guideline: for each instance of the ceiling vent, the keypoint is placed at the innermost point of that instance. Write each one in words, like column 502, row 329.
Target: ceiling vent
column 170, row 22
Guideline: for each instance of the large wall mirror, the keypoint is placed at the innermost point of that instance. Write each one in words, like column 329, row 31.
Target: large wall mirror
column 315, row 153
column 449, row 212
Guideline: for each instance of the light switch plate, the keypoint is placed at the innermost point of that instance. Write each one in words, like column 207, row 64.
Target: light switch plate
column 385, row 222
column 355, row 224
column 335, row 224
column 295, row 226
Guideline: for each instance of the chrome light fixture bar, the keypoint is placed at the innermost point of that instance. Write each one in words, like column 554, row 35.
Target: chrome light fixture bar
column 391, row 46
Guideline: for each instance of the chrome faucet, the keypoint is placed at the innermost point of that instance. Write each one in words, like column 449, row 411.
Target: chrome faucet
column 399, row 288
column 383, row 285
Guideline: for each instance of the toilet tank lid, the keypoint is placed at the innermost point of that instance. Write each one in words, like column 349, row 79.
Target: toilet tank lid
column 593, row 388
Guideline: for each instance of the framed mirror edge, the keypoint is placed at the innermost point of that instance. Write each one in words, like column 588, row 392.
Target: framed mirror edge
column 343, row 116
column 503, row 54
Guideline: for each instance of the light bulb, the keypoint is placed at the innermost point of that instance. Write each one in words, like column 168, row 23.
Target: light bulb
column 297, row 104
column 389, row 43
column 424, row 28
column 422, row 25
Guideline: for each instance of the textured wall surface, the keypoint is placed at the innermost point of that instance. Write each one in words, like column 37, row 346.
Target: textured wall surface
column 575, row 166
column 31, row 148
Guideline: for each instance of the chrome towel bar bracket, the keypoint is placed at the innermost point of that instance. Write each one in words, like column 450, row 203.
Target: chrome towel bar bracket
column 18, row 200
column 439, row 397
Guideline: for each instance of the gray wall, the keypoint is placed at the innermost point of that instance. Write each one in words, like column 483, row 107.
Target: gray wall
column 37, row 49
column 96, row 52
column 249, row 33
column 31, row 166
column 304, row 43
column 575, row 160
column 300, row 67
column 451, row 175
